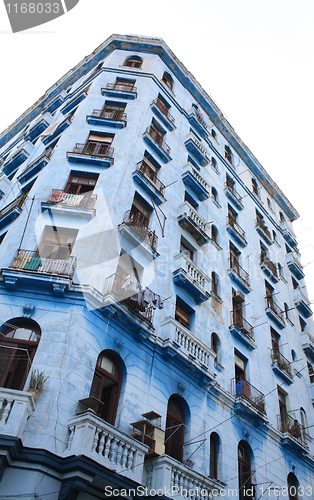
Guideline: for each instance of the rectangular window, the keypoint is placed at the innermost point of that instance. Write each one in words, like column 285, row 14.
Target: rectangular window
column 57, row 243
column 125, row 85
column 113, row 111
column 182, row 316
column 98, row 145
column 157, row 133
column 79, row 184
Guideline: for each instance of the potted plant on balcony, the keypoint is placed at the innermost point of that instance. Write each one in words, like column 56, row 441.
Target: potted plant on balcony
column 36, row 383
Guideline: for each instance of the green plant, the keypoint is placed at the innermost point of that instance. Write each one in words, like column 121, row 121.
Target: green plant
column 37, row 380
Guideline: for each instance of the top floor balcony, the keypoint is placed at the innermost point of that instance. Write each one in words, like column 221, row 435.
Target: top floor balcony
column 161, row 110
column 195, row 181
column 249, row 400
column 294, row 264
column 198, row 122
column 12, row 210
column 263, row 230
column 295, row 435
column 73, row 101
column 269, row 268
column 274, row 312
column 125, row 91
column 108, row 117
column 281, row 365
column 96, row 153
column 148, row 179
column 235, row 230
column 190, row 220
column 233, row 195
column 157, row 143
column 194, row 146
column 76, row 204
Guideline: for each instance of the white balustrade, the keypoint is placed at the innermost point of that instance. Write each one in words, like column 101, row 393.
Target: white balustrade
column 15, row 408
column 194, row 216
column 93, row 437
column 196, row 275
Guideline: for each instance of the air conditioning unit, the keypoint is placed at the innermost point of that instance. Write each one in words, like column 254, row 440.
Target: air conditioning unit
column 238, row 296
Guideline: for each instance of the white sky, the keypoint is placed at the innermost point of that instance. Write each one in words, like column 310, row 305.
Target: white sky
column 254, row 57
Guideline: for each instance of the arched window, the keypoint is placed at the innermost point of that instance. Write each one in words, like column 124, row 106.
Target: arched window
column 18, row 344
column 174, row 437
column 106, row 386
column 293, row 355
column 214, row 194
column 244, row 471
column 215, row 345
column 293, row 484
column 213, row 133
column 228, row 154
column 214, row 234
column 214, row 164
column 167, row 79
column 286, row 307
column 281, row 217
column 274, row 236
column 303, row 420
column 214, row 455
column 133, row 62
column 254, row 187
column 215, row 283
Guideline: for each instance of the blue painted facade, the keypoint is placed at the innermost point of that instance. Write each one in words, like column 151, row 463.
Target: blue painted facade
column 171, row 202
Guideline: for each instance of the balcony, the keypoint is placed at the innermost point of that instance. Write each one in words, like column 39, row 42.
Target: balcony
column 281, row 365
column 294, row 434
column 302, row 303
column 57, row 102
column 118, row 90
column 146, row 177
column 163, row 114
column 101, row 155
column 39, row 126
column 106, row 445
column 79, row 205
column 239, row 275
column 196, row 182
column 57, row 130
column 241, row 329
column 308, row 345
column 263, row 230
column 191, row 278
column 288, row 234
column 269, row 268
column 126, row 304
column 198, row 122
column 193, row 223
column 233, row 195
column 16, row 407
column 194, row 146
column 72, row 103
column 108, row 118
column 11, row 212
column 156, row 142
column 274, row 312
column 167, row 473
column 34, row 167
column 135, row 227
column 248, row 400
column 235, row 230
column 294, row 264
column 12, row 163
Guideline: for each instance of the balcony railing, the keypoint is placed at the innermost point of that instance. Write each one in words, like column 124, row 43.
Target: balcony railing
column 86, row 200
column 246, row 390
column 153, row 133
column 192, row 345
column 269, row 264
column 241, row 324
column 15, row 408
column 234, row 193
column 273, row 306
column 235, row 266
column 121, row 88
column 232, row 222
column 18, row 203
column 138, row 223
column 164, row 110
column 110, row 114
column 151, row 176
column 30, row 260
column 262, row 226
column 43, row 158
column 115, row 285
column 291, row 422
column 282, row 362
column 99, row 150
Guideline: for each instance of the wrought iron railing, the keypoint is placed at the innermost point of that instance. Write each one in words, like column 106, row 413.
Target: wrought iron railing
column 282, row 362
column 291, row 422
column 86, row 200
column 233, row 223
column 246, row 390
column 17, row 203
column 271, row 304
column 46, row 155
column 154, row 134
column 110, row 114
column 138, row 223
column 234, row 193
column 115, row 284
column 235, row 266
column 269, row 264
column 241, row 323
column 31, row 260
column 151, row 176
column 163, row 109
column 99, row 149
column 121, row 88
column 261, row 224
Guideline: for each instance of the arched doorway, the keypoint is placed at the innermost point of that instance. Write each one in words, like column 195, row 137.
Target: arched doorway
column 244, row 471
column 174, row 437
column 293, row 484
column 106, row 386
column 18, row 344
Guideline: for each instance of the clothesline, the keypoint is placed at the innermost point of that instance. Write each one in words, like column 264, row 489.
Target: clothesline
column 144, row 297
